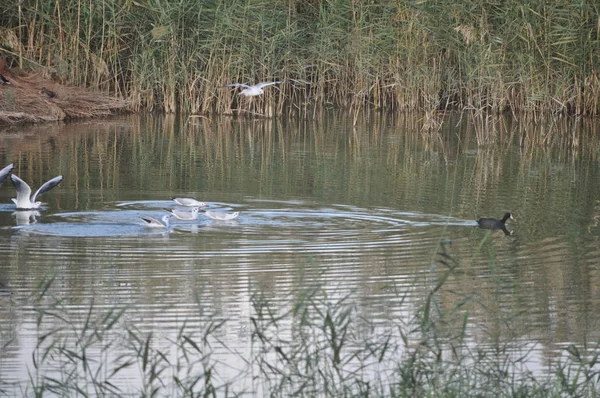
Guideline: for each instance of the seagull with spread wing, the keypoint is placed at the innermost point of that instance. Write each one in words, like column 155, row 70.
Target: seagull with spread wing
column 25, row 200
column 252, row 91
column 5, row 172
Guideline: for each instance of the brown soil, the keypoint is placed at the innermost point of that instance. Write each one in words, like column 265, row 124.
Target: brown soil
column 35, row 99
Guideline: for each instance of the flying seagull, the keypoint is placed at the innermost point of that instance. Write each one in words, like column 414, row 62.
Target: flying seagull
column 221, row 215
column 185, row 215
column 252, row 91
column 188, row 202
column 25, row 200
column 152, row 222
column 5, row 172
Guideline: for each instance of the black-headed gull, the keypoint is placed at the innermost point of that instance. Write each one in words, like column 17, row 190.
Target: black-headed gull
column 221, row 215
column 185, row 215
column 188, row 202
column 5, row 172
column 152, row 222
column 251, row 91
column 25, row 200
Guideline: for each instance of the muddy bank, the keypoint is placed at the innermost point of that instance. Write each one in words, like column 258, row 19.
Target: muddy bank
column 33, row 98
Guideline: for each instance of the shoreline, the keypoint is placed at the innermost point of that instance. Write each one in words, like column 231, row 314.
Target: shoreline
column 34, row 99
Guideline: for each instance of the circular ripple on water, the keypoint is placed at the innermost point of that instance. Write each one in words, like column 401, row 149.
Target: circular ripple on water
column 94, row 224
column 330, row 229
column 282, row 227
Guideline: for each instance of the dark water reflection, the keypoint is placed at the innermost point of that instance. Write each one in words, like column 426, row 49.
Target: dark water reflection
column 367, row 203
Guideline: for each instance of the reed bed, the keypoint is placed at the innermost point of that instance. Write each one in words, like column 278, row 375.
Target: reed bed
column 313, row 343
column 360, row 55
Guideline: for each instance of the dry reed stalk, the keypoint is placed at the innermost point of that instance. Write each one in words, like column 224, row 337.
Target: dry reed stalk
column 357, row 55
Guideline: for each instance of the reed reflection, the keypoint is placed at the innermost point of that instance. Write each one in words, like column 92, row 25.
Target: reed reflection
column 363, row 204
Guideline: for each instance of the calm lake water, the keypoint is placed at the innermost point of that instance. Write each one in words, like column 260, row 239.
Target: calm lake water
column 363, row 207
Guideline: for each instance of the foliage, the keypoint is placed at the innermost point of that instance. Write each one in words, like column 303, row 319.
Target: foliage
column 314, row 343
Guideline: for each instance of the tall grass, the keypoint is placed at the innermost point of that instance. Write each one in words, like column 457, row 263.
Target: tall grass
column 431, row 55
column 314, row 343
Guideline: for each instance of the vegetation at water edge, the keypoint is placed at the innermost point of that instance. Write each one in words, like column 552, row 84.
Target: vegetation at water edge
column 310, row 344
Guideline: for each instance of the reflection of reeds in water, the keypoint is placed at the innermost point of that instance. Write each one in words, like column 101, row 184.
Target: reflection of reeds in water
column 306, row 157
column 312, row 342
column 379, row 160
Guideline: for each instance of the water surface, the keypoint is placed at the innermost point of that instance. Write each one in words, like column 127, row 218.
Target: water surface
column 363, row 207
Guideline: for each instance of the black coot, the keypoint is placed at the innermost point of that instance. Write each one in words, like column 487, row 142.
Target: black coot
column 492, row 223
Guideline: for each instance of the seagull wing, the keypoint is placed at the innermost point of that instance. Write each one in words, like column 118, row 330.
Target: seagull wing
column 232, row 216
column 265, row 84
column 5, row 172
column 22, row 188
column 188, row 202
column 182, row 201
column 176, row 213
column 152, row 222
column 48, row 185
column 221, row 216
column 210, row 214
column 237, row 85
column 184, row 215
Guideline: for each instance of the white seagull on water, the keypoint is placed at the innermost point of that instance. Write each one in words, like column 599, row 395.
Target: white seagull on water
column 188, row 202
column 251, row 91
column 5, row 172
column 152, row 222
column 25, row 200
column 185, row 215
column 221, row 215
